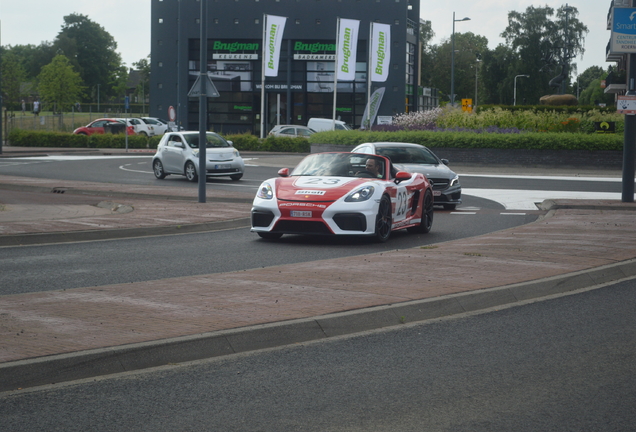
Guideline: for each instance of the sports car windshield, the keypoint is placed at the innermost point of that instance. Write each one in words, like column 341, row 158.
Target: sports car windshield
column 213, row 140
column 338, row 165
column 408, row 155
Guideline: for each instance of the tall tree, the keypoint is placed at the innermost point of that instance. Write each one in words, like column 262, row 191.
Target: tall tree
column 59, row 85
column 590, row 74
column 426, row 56
column 32, row 58
column 143, row 66
column 13, row 76
column 495, row 72
column 544, row 45
column 469, row 47
column 93, row 50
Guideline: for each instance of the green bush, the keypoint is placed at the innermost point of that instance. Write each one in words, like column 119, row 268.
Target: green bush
column 527, row 140
column 245, row 142
column 283, row 144
column 248, row 142
column 23, row 138
column 535, row 119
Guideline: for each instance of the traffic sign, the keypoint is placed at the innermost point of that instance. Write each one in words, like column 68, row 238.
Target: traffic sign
column 626, row 105
column 172, row 114
column 623, row 38
column 203, row 87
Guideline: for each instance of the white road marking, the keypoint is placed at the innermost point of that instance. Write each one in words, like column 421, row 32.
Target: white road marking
column 78, row 157
column 511, row 199
column 123, row 168
column 514, row 199
column 538, row 177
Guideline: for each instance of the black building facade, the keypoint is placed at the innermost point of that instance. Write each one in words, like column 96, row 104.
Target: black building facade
column 304, row 85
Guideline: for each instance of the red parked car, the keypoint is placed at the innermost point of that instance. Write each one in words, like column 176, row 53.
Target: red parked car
column 101, row 126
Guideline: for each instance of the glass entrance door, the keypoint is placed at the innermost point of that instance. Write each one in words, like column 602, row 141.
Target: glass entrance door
column 276, row 110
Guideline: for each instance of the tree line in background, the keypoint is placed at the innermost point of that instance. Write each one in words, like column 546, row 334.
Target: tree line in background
column 537, row 43
column 80, row 65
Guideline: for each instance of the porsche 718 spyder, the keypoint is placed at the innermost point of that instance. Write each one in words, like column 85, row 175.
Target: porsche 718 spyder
column 343, row 194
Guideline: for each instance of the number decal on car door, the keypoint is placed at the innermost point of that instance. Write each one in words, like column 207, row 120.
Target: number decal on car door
column 401, row 204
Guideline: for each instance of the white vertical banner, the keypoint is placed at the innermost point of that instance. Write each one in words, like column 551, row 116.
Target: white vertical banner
column 272, row 38
column 380, row 51
column 346, row 49
column 273, row 27
column 372, row 108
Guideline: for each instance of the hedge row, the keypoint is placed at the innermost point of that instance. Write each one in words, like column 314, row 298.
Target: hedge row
column 527, row 140
column 566, row 109
column 25, row 138
column 248, row 142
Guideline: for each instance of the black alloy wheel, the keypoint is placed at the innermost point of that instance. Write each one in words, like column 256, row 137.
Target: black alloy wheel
column 427, row 215
column 383, row 220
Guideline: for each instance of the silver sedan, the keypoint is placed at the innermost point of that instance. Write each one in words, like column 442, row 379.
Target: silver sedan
column 416, row 158
column 178, row 153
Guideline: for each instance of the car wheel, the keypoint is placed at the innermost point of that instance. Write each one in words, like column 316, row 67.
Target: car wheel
column 427, row 214
column 450, row 206
column 269, row 235
column 236, row 177
column 383, row 220
column 142, row 133
column 191, row 172
column 157, row 168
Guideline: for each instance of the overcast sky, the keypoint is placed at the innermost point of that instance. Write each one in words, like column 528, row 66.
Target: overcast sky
column 128, row 21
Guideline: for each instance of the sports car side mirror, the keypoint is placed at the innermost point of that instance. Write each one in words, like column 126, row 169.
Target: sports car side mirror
column 402, row 176
column 283, row 172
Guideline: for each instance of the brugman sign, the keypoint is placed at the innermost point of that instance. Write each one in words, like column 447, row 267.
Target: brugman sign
column 623, row 31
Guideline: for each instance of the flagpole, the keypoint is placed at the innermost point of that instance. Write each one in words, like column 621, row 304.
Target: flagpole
column 263, row 76
column 335, row 76
column 369, row 47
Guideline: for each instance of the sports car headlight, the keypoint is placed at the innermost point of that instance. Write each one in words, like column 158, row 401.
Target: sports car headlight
column 361, row 194
column 454, row 181
column 265, row 191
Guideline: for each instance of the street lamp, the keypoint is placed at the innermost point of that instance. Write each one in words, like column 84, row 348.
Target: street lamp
column 452, row 95
column 514, row 97
column 476, row 70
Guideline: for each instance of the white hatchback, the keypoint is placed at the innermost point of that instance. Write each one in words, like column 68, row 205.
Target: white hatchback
column 140, row 127
column 178, row 153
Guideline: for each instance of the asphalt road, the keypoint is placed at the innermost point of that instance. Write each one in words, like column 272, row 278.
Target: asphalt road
column 563, row 364
column 64, row 266
column 138, row 170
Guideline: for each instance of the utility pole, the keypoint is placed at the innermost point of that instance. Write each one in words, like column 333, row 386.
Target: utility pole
column 629, row 135
column 1, row 105
column 203, row 101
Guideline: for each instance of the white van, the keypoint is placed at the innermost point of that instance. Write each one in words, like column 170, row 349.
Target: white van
column 323, row 124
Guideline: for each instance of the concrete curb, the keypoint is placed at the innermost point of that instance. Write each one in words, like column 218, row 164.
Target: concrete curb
column 121, row 233
column 125, row 358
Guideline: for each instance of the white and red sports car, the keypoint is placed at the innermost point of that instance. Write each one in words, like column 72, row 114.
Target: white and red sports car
column 343, row 194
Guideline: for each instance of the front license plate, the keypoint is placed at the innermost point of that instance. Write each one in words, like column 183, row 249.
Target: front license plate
column 224, row 166
column 437, row 193
column 300, row 213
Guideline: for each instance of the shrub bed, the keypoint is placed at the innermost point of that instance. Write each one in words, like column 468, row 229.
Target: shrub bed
column 527, row 140
column 25, row 138
column 248, row 142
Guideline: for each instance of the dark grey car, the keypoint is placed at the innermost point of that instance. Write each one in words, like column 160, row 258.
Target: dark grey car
column 417, row 158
